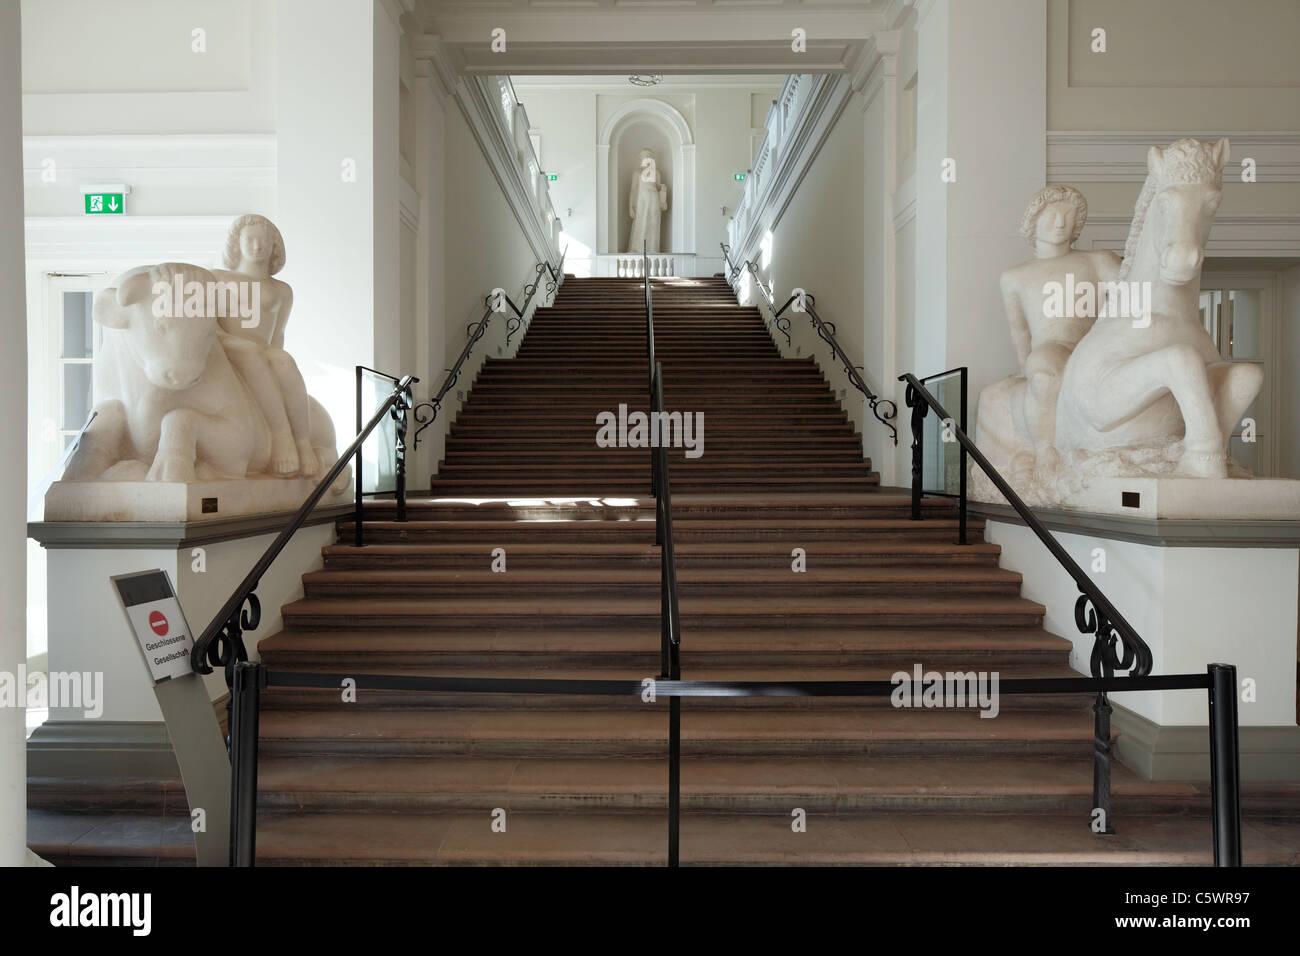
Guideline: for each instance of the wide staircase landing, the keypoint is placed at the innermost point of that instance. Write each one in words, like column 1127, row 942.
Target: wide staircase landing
column 405, row 778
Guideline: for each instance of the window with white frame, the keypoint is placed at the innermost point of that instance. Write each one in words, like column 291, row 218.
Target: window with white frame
column 1237, row 312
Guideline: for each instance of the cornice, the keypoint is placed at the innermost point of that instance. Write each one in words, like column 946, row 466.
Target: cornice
column 396, row 9
column 884, row 66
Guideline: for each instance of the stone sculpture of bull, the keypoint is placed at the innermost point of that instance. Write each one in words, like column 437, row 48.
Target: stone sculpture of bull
column 169, row 405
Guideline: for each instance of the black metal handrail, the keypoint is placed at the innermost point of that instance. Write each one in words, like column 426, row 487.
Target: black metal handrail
column 221, row 644
column 1219, row 681
column 649, row 319
column 1103, row 619
column 1117, row 646
column 492, row 304
column 885, row 410
column 670, row 628
column 650, row 353
column 670, row 622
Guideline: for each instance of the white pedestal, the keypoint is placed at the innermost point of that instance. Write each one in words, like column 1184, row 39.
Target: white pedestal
column 1231, row 602
column 177, row 501
column 88, row 630
column 1201, row 499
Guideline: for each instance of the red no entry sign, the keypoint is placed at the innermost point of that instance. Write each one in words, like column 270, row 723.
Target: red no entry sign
column 158, row 623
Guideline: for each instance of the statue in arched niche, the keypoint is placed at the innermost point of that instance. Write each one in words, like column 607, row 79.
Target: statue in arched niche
column 648, row 198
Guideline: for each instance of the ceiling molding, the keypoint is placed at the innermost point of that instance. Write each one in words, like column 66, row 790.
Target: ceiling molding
column 1120, row 156
column 219, row 159
column 566, row 37
column 666, row 56
column 617, row 84
column 396, row 9
column 125, row 241
column 431, row 59
column 1247, row 234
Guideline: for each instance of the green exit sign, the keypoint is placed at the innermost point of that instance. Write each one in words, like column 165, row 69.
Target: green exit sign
column 105, row 203
column 739, row 177
column 552, row 176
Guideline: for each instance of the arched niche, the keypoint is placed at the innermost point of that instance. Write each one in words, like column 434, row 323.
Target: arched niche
column 666, row 128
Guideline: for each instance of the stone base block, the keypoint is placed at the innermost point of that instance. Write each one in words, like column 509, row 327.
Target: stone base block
column 181, row 501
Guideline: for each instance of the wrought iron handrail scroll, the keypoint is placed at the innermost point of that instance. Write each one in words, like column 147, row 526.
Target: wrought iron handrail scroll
column 1103, row 619
column 492, row 304
column 1117, row 646
column 884, row 409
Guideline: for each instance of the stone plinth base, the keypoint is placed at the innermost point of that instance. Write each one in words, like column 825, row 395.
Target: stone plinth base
column 206, row 560
column 176, row 501
column 1198, row 593
column 1176, row 498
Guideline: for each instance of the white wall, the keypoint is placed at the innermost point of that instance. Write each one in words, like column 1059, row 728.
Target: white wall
column 966, row 228
column 819, row 244
column 569, row 122
column 331, row 106
column 130, row 67
column 13, row 375
column 483, row 248
column 1174, row 64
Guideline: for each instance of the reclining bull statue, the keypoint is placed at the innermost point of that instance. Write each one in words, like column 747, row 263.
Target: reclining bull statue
column 169, row 403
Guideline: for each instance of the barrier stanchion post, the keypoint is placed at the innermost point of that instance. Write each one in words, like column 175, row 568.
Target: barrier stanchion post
column 1225, row 765
column 245, row 696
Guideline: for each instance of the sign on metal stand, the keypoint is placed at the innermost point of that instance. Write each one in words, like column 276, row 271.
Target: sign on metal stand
column 165, row 640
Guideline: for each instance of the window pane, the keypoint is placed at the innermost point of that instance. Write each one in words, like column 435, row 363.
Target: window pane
column 78, row 325
column 1210, row 313
column 1243, row 336
column 76, row 394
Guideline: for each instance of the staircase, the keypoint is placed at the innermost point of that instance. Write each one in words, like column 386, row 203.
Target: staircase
column 410, row 778
column 529, row 426
column 406, row 778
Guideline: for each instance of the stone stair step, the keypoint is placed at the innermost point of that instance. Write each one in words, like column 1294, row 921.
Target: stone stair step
column 882, row 784
column 843, row 731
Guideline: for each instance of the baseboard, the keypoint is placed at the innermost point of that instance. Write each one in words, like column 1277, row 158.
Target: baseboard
column 1268, row 754
column 124, row 749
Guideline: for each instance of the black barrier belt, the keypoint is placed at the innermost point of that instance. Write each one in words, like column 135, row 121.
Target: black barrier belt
column 670, row 688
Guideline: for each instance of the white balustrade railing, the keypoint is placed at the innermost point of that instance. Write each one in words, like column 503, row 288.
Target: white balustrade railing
column 783, row 118
column 514, row 124
column 663, row 265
